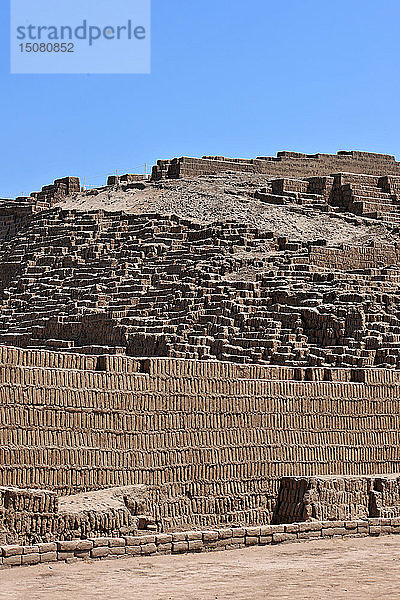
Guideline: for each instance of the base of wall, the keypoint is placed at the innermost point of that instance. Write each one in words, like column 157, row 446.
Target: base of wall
column 192, row 541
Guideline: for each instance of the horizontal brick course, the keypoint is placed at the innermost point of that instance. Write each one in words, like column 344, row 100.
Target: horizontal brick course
column 249, row 433
column 219, row 540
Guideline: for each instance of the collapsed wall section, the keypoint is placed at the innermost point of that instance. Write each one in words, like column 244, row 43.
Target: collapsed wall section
column 215, row 438
column 27, row 515
column 336, row 498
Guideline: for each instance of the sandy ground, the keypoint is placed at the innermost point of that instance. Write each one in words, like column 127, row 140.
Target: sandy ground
column 229, row 196
column 352, row 569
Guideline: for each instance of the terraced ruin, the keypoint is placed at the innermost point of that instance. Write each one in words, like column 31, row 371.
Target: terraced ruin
column 218, row 343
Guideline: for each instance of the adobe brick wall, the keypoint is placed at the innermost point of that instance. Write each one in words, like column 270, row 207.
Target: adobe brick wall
column 126, row 178
column 285, row 164
column 216, row 437
column 32, row 516
column 27, row 514
column 331, row 498
column 191, row 541
column 353, row 257
column 153, row 285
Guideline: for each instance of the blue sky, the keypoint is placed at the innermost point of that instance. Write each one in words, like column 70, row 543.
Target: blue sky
column 228, row 77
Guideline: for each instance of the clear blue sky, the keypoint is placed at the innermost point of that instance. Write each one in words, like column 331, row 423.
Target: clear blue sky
column 228, row 77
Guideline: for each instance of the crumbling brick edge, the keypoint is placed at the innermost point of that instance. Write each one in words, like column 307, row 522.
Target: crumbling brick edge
column 191, row 541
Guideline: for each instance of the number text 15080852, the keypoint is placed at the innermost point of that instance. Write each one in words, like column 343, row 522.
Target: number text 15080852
column 49, row 47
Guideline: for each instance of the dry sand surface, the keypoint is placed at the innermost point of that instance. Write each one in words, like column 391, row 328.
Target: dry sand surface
column 229, row 196
column 352, row 569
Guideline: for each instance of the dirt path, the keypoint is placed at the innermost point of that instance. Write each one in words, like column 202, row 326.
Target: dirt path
column 353, row 569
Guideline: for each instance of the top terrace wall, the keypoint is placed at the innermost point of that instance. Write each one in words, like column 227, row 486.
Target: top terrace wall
column 285, row 164
column 177, row 368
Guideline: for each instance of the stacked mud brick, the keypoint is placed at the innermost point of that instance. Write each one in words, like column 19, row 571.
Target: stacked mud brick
column 190, row 541
column 118, row 511
column 15, row 214
column 53, row 193
column 159, row 285
column 362, row 183
column 27, row 515
column 38, row 516
column 385, row 497
column 285, row 164
column 31, row 516
column 127, row 178
column 204, row 361
column 333, row 498
column 211, row 440
column 376, row 197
